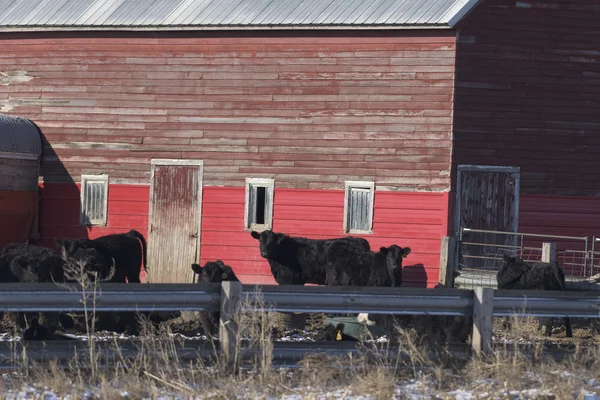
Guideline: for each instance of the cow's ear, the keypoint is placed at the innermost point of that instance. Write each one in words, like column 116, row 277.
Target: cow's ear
column 255, row 235
column 383, row 250
column 280, row 237
column 506, row 257
column 197, row 269
column 59, row 242
column 224, row 275
column 405, row 252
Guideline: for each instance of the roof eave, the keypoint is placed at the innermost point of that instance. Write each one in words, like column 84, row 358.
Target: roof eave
column 50, row 28
column 459, row 11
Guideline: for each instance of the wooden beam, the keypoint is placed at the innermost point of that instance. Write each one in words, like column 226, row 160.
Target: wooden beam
column 446, row 274
column 231, row 296
column 483, row 309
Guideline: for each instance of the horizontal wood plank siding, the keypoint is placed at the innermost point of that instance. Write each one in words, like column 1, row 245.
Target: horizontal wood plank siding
column 416, row 220
column 310, row 110
column 528, row 93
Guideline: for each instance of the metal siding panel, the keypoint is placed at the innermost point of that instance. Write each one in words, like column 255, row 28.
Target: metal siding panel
column 399, row 12
column 68, row 15
column 195, row 12
column 16, row 12
column 253, row 12
column 437, row 9
column 280, row 13
column 233, row 17
column 315, row 12
column 381, row 11
column 297, row 12
column 179, row 13
column 229, row 12
column 346, row 12
column 336, row 8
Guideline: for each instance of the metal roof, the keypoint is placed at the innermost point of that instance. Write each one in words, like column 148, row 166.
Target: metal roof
column 223, row 14
column 19, row 135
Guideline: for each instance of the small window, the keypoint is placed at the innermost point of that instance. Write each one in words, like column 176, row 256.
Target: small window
column 358, row 207
column 94, row 199
column 259, row 204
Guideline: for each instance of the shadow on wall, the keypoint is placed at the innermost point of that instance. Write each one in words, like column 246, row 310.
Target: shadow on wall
column 59, row 206
column 414, row 276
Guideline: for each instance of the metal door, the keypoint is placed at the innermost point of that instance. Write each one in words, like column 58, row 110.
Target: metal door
column 174, row 221
column 487, row 198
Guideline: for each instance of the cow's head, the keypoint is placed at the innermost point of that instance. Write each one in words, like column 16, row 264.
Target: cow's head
column 269, row 241
column 214, row 272
column 393, row 258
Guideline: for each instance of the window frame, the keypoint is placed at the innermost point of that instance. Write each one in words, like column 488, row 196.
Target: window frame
column 83, row 218
column 269, row 185
column 348, row 186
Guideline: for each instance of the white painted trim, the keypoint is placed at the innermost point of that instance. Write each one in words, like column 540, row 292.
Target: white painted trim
column 348, row 185
column 170, row 161
column 178, row 162
column 269, row 184
column 103, row 178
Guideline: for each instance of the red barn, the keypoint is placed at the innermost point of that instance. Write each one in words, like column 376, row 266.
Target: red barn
column 197, row 121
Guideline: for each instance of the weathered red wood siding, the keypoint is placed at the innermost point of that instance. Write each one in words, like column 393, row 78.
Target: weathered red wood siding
column 413, row 219
column 309, row 109
column 528, row 94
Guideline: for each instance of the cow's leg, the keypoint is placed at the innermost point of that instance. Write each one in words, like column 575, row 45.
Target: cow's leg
column 568, row 327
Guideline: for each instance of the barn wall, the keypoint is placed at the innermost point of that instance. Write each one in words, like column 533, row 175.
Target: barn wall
column 309, row 109
column 528, row 94
column 417, row 220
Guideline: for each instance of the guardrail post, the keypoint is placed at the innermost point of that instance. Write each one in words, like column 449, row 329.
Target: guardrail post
column 548, row 252
column 483, row 311
column 231, row 298
column 447, row 257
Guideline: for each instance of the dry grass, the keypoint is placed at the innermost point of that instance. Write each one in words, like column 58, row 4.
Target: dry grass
column 374, row 370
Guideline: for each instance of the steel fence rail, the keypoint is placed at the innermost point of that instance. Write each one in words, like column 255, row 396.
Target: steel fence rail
column 47, row 297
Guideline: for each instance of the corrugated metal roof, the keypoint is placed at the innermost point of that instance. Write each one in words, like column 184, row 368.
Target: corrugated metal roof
column 223, row 14
column 19, row 135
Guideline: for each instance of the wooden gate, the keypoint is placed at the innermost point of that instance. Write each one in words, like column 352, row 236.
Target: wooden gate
column 174, row 221
column 487, row 198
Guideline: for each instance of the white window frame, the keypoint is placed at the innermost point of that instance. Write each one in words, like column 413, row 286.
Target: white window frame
column 269, row 184
column 348, row 186
column 83, row 220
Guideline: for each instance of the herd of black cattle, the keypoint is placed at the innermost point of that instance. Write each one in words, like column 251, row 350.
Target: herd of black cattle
column 346, row 261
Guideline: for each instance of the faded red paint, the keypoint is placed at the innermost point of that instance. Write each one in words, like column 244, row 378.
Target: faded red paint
column 417, row 220
column 312, row 108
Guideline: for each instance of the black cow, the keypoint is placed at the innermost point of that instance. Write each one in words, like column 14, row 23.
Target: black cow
column 515, row 273
column 213, row 272
column 299, row 260
column 127, row 249
column 353, row 266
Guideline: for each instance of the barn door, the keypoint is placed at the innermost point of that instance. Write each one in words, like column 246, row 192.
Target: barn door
column 487, row 198
column 174, row 223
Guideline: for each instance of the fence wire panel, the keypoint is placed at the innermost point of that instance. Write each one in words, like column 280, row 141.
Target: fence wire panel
column 481, row 254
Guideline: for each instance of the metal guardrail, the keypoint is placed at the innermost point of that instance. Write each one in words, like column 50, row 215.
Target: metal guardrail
column 47, row 297
column 482, row 303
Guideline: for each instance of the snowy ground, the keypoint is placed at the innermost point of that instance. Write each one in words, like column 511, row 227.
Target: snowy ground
column 413, row 389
